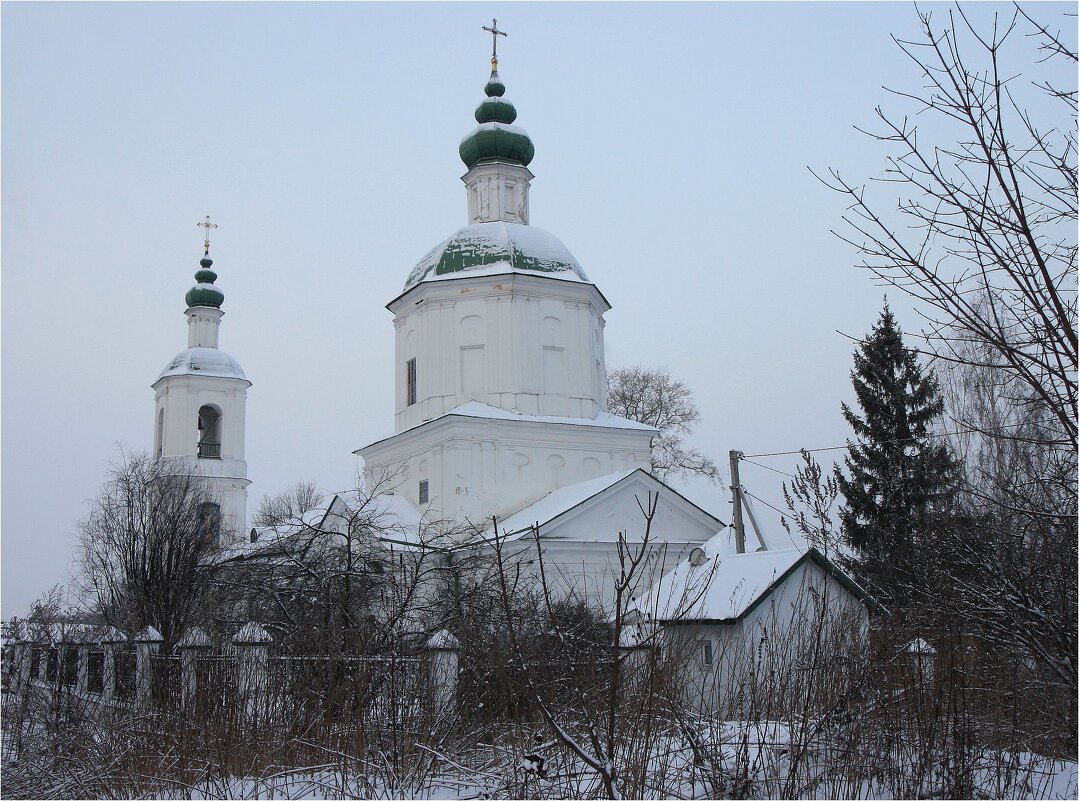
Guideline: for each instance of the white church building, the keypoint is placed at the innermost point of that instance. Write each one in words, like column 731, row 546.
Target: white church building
column 500, row 415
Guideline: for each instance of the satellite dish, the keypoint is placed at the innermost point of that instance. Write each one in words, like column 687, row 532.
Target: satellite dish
column 697, row 557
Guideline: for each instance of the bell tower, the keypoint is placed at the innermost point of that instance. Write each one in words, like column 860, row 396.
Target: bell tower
column 200, row 405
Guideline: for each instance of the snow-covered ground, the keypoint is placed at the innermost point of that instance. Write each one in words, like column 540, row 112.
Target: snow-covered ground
column 734, row 759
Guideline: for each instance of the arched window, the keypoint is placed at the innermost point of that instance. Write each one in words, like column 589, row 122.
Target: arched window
column 160, row 433
column 208, row 526
column 209, row 432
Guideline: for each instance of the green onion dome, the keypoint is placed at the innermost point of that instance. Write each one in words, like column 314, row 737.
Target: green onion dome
column 204, row 293
column 495, row 137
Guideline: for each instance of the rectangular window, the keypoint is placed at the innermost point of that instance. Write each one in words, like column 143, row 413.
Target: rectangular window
column 124, row 672
column 706, row 652
column 95, row 672
column 52, row 665
column 410, row 381
column 71, row 666
column 424, row 492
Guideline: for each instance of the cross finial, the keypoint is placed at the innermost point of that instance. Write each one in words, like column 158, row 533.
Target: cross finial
column 206, row 241
column 495, row 33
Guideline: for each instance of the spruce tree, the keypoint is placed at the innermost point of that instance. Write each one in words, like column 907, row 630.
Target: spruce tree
column 899, row 478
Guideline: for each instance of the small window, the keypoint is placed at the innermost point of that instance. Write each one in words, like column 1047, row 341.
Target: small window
column 425, row 492
column 707, row 657
column 95, row 672
column 124, row 672
column 410, row 381
column 71, row 666
column 208, row 524
column 52, row 665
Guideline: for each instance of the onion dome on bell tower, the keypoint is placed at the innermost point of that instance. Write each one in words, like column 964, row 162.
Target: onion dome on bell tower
column 204, row 293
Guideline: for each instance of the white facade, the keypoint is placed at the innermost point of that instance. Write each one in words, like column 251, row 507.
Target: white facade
column 516, row 341
column 498, row 190
column 478, row 462
column 200, row 406
column 739, row 623
column 579, row 527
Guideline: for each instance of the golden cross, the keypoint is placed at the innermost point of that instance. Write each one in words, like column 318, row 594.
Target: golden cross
column 206, row 242
column 495, row 33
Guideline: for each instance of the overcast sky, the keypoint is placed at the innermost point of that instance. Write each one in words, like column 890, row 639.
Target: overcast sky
column 672, row 146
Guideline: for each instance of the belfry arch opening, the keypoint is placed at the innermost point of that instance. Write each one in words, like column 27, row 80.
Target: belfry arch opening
column 209, row 429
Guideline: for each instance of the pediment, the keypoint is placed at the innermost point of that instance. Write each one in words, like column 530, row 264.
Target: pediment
column 596, row 511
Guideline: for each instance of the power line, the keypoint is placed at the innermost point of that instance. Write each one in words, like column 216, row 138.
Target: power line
column 782, row 515
column 766, row 467
column 754, row 497
column 882, row 442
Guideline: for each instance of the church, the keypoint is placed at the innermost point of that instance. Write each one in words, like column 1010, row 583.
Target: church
column 501, row 431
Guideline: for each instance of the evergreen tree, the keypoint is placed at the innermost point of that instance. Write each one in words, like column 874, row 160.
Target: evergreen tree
column 900, row 478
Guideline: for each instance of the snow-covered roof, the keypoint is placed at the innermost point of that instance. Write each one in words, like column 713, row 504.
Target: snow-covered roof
column 603, row 419
column 558, row 503
column 484, row 411
column 725, row 586
column 203, row 361
column 73, row 633
column 483, row 245
column 397, row 523
column 721, row 587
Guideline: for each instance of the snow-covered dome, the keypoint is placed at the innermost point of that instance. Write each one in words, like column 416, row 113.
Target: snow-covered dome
column 203, row 361
column 484, row 245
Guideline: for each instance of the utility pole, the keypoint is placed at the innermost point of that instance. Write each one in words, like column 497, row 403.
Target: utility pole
column 736, row 499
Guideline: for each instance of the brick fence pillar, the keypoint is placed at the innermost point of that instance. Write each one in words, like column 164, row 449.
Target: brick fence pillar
column 442, row 650
column 191, row 646
column 147, row 645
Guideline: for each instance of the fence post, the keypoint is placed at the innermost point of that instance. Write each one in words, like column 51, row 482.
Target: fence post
column 110, row 639
column 192, row 645
column 922, row 656
column 147, row 644
column 442, row 649
column 252, row 647
column 82, row 667
column 20, row 668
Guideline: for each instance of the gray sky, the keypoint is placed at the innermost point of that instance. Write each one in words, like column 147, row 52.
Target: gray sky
column 672, row 146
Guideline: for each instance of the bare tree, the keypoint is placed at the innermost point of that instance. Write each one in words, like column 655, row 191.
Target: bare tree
column 143, row 550
column 288, row 506
column 811, row 498
column 330, row 580
column 985, row 240
column 985, row 243
column 652, row 396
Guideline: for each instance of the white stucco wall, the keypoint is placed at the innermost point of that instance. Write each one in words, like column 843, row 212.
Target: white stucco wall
column 177, row 401
column 476, row 467
column 580, row 546
column 771, row 646
column 520, row 342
